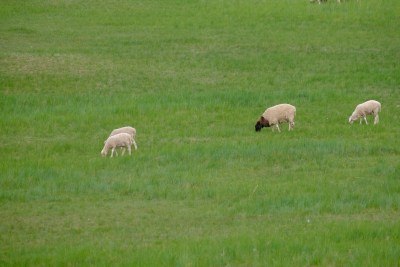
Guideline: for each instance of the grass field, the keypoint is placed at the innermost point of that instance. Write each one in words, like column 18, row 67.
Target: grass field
column 193, row 77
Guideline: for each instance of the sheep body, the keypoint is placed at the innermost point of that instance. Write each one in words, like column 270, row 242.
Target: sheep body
column 127, row 129
column 276, row 115
column 370, row 107
column 123, row 140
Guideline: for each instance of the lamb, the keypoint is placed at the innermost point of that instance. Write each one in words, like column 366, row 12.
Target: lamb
column 127, row 129
column 275, row 115
column 118, row 140
column 367, row 108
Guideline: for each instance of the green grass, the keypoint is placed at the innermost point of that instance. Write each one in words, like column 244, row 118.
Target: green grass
column 203, row 189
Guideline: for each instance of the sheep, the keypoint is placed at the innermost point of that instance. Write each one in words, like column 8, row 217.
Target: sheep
column 367, row 108
column 118, row 140
column 275, row 115
column 127, row 129
column 320, row 1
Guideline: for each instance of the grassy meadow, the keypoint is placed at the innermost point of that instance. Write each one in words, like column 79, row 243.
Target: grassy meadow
column 203, row 188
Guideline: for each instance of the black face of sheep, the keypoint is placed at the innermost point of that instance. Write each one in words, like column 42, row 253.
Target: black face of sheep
column 261, row 124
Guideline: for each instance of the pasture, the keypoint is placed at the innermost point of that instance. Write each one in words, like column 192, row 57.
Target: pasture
column 203, row 188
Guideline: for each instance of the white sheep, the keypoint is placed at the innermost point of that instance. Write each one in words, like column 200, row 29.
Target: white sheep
column 320, row 1
column 275, row 115
column 367, row 108
column 127, row 129
column 123, row 140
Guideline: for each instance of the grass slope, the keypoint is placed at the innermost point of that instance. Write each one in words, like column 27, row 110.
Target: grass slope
column 203, row 189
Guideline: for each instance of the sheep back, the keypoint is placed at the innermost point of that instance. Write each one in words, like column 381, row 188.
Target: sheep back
column 127, row 129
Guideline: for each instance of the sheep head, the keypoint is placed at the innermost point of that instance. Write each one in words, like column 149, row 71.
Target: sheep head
column 353, row 118
column 261, row 123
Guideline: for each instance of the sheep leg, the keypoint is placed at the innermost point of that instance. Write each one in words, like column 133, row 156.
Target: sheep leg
column 291, row 125
column 277, row 127
column 112, row 152
column 365, row 118
column 123, row 150
column 129, row 149
column 134, row 144
column 376, row 120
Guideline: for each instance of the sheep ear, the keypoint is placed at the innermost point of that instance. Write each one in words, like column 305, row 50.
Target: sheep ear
column 264, row 121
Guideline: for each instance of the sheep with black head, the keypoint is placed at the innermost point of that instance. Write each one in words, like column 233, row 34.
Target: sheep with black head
column 276, row 115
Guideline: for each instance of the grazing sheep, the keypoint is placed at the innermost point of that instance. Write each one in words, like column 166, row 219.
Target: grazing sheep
column 127, row 129
column 275, row 115
column 367, row 108
column 119, row 140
